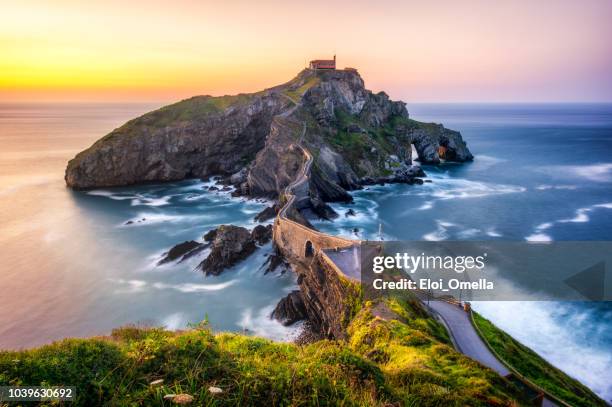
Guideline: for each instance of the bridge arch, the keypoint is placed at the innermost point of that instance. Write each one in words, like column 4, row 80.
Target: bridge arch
column 308, row 249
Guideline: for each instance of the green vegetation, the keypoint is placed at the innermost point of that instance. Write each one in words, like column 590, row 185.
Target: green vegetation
column 192, row 109
column 197, row 108
column 296, row 94
column 531, row 365
column 401, row 361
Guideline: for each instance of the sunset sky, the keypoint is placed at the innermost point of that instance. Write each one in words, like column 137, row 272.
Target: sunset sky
column 74, row 50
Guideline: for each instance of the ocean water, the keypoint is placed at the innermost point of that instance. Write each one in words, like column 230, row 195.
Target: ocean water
column 72, row 267
column 541, row 173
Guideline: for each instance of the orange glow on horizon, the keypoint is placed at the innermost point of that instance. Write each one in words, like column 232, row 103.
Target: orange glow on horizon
column 554, row 50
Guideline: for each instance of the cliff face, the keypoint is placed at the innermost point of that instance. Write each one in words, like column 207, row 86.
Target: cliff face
column 352, row 132
column 197, row 137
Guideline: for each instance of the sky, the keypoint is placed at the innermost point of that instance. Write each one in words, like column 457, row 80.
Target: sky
column 416, row 51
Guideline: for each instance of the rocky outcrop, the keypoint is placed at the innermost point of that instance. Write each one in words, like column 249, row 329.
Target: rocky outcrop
column 182, row 250
column 428, row 138
column 403, row 175
column 290, row 309
column 276, row 165
column 267, row 214
column 197, row 137
column 261, row 234
column 230, row 245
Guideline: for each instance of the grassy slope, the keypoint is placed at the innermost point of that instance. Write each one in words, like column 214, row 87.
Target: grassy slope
column 406, row 362
column 536, row 369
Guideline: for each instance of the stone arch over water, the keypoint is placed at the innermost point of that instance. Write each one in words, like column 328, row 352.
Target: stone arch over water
column 308, row 249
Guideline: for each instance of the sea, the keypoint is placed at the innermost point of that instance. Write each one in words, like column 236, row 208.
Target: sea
column 78, row 264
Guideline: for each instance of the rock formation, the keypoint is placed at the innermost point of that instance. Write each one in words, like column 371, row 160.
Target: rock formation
column 250, row 140
column 183, row 250
column 290, row 309
column 230, row 244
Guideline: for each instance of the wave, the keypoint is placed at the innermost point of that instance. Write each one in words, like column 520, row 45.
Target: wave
column 441, row 232
column 174, row 321
column 465, row 189
column 581, row 215
column 601, row 172
column 136, row 199
column 142, row 200
column 427, row 205
column 149, row 218
column 546, row 187
column 194, row 288
column 129, row 286
column 261, row 324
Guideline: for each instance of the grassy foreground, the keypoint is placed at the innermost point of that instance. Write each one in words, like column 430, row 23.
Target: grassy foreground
column 536, row 369
column 403, row 360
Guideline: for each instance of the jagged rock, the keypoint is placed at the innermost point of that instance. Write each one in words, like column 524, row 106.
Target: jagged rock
column 290, row 309
column 350, row 212
column 274, row 261
column 231, row 244
column 267, row 214
column 210, row 235
column 323, row 210
column 179, row 250
column 428, row 139
column 239, row 177
column 261, row 234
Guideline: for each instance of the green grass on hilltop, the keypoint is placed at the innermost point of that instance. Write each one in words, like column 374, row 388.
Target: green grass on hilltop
column 531, row 365
column 417, row 359
column 402, row 361
column 296, row 94
column 194, row 109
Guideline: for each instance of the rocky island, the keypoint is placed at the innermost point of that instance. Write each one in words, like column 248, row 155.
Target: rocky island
column 353, row 133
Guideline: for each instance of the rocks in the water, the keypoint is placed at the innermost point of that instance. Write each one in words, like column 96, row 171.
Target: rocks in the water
column 407, row 175
column 239, row 177
column 322, row 210
column 348, row 213
column 275, row 261
column 431, row 140
column 290, row 309
column 210, row 235
column 180, row 250
column 230, row 245
column 262, row 234
column 267, row 214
